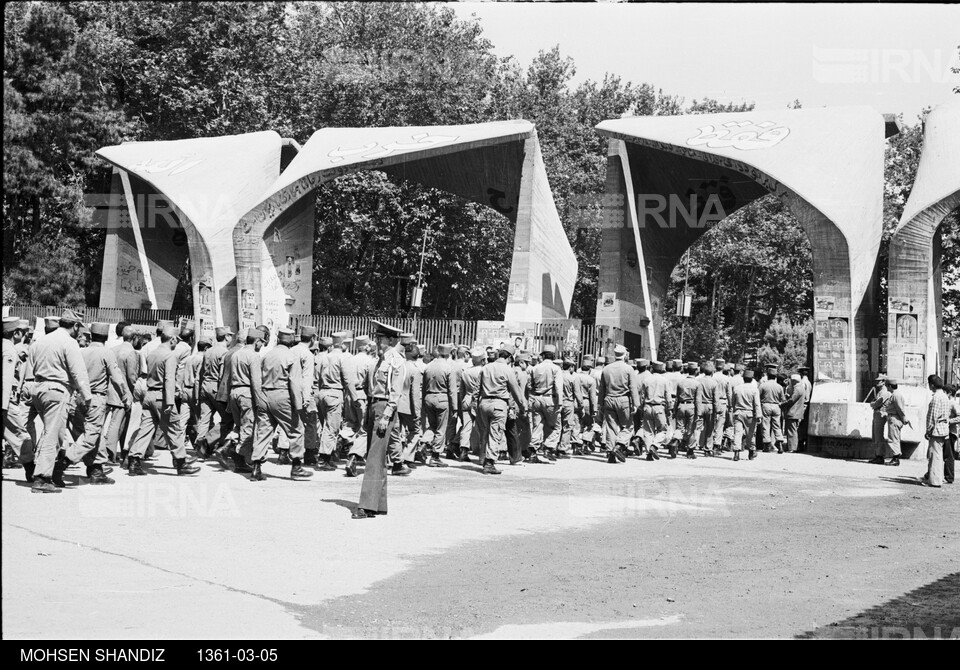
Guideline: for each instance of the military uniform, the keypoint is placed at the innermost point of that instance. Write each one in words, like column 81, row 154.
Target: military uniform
column 282, row 395
column 619, row 397
column 686, row 412
column 656, row 397
column 792, row 410
column 771, row 397
column 404, row 437
column 544, row 393
column 713, row 405
column 128, row 360
column 15, row 432
column 497, row 383
column 468, row 402
column 588, row 385
column 309, row 415
column 211, row 376
column 745, row 404
column 246, row 375
column 440, row 395
column 337, row 395
column 570, row 408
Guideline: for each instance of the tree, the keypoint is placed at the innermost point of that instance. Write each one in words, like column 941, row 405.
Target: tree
column 785, row 344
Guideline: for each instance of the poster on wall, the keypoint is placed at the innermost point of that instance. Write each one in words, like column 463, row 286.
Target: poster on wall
column 907, row 328
column 913, row 369
column 608, row 302
column 497, row 333
column 832, row 342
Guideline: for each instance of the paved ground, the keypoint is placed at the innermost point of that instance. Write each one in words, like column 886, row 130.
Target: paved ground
column 785, row 546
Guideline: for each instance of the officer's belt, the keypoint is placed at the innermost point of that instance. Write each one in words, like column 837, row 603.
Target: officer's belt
column 380, row 398
column 332, row 388
column 653, row 404
column 685, row 402
column 543, row 394
column 275, row 388
column 56, row 383
column 239, row 386
column 98, row 393
column 493, row 397
column 437, row 392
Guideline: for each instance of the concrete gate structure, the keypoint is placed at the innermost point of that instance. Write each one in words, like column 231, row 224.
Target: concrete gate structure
column 496, row 164
column 914, row 280
column 181, row 199
column 669, row 177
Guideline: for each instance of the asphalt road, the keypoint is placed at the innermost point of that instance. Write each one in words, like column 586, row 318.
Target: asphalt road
column 785, row 546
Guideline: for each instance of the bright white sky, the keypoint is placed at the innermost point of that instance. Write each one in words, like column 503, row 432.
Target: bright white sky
column 896, row 58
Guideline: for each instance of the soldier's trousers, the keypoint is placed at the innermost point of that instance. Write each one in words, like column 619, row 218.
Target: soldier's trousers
column 404, row 438
column 879, row 440
column 744, row 427
column 116, row 435
column 655, row 426
column 15, row 432
column 329, row 418
column 771, row 431
column 720, row 423
column 617, row 421
column 373, row 490
column 209, row 409
column 706, row 428
column 686, row 418
column 792, row 430
column 244, row 418
column 492, row 426
column 360, row 413
column 894, row 427
column 89, row 448
column 544, row 431
column 436, row 418
column 467, row 438
column 278, row 410
column 516, row 442
column 164, row 420
column 569, row 433
column 309, row 417
column 50, row 400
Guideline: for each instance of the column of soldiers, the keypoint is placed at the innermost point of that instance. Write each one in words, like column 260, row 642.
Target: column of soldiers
column 312, row 400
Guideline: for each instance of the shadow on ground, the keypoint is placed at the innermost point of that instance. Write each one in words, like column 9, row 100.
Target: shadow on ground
column 932, row 611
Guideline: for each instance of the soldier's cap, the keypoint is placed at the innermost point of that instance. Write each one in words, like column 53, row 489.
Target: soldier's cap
column 10, row 324
column 738, row 367
column 881, row 378
column 338, row 337
column 659, row 366
column 509, row 348
column 285, row 335
column 587, row 362
column 445, row 348
column 632, row 363
column 609, row 358
column 347, row 340
column 263, row 328
column 525, row 356
column 619, row 351
column 771, row 366
column 84, row 330
column 478, row 353
column 803, row 368
column 168, row 331
column 71, row 316
column 100, row 329
column 51, row 322
column 205, row 339
column 728, row 366
column 307, row 331
column 676, row 361
column 569, row 361
column 362, row 340
column 421, row 350
column 223, row 331
column 719, row 362
column 407, row 338
column 549, row 349
column 748, row 374
column 381, row 328
column 643, row 362
column 557, row 362
column 255, row 333
column 315, row 345
column 795, row 377
column 893, row 381
column 325, row 341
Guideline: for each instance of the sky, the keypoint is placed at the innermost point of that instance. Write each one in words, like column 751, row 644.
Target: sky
column 895, row 58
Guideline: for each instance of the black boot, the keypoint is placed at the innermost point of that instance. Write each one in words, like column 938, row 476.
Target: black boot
column 672, row 450
column 490, row 467
column 59, row 468
column 400, row 469
column 435, row 462
column 297, row 471
column 256, row 475
column 28, row 469
column 464, row 456
column 691, row 453
column 736, row 455
column 43, row 485
column 135, row 467
column 895, row 462
column 185, row 468
column 351, row 467
column 124, row 458
column 753, row 454
column 98, row 477
column 620, row 454
column 310, row 457
column 612, row 458
column 284, row 457
column 240, row 464
column 325, row 463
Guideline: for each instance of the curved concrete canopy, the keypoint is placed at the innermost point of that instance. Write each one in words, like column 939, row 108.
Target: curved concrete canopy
column 914, row 284
column 826, row 164
column 201, row 186
column 496, row 164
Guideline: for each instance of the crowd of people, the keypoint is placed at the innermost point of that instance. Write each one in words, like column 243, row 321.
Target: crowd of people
column 387, row 405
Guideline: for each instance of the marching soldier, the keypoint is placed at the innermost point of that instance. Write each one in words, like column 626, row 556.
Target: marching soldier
column 686, row 412
column 570, row 409
column 722, row 417
column 440, row 395
column 771, row 397
column 357, row 410
column 713, row 406
column 279, row 404
column 384, row 385
column 308, row 415
column 636, row 440
column 58, row 371
column 109, row 390
column 335, row 381
column 245, row 378
column 404, row 436
column 792, row 410
column 128, row 360
column 160, row 410
column 518, row 425
column 588, row 385
column 14, row 412
column 544, row 391
column 497, row 383
column 619, row 398
column 745, row 403
column 656, row 397
column 229, row 430
column 468, row 402
column 211, row 375
column 191, row 384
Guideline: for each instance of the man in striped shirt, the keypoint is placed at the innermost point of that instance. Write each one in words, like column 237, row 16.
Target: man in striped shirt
column 938, row 418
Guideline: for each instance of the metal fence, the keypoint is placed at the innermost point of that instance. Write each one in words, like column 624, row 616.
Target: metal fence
column 147, row 317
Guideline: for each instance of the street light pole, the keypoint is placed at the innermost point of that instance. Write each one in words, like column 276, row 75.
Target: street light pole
column 683, row 299
column 418, row 289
